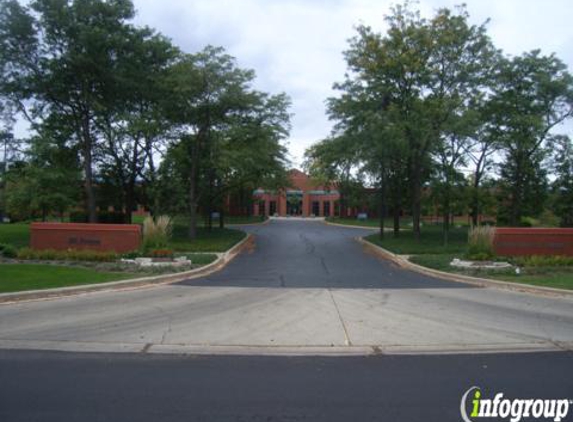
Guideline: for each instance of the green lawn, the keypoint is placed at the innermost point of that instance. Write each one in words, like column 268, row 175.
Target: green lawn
column 559, row 277
column 214, row 240
column 431, row 241
column 17, row 234
column 201, row 259
column 19, row 277
column 244, row 219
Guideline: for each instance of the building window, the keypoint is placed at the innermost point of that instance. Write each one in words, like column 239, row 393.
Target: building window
column 315, row 208
column 272, row 207
column 326, row 208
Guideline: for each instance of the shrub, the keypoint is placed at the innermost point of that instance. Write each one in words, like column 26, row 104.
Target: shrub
column 548, row 219
column 528, row 222
column 67, row 255
column 544, row 261
column 156, row 233
column 480, row 242
column 160, row 253
column 131, row 255
column 8, row 251
column 482, row 256
column 103, row 217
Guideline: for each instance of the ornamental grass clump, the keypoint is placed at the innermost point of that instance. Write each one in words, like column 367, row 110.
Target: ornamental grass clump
column 480, row 243
column 156, row 233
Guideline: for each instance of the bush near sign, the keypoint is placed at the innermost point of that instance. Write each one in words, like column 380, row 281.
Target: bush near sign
column 98, row 237
column 533, row 241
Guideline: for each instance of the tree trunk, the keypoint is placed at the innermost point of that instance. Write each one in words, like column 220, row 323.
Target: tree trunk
column 397, row 205
column 446, row 217
column 515, row 209
column 382, row 208
column 416, row 200
column 89, row 190
column 475, row 208
column 129, row 200
column 475, row 199
column 193, row 191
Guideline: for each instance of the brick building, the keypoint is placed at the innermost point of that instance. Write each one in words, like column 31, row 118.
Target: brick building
column 303, row 198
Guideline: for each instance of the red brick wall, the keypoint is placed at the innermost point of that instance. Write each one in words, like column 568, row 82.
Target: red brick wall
column 533, row 241
column 99, row 237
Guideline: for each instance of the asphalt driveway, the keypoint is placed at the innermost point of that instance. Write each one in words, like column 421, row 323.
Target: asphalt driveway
column 304, row 288
column 309, row 254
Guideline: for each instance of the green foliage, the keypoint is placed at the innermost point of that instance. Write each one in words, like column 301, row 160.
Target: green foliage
column 559, row 277
column 214, row 240
column 66, row 255
column 199, row 259
column 543, row 261
column 480, row 243
column 430, row 241
column 563, row 185
column 8, row 251
column 159, row 253
column 16, row 234
column 47, row 184
column 103, row 217
column 156, row 232
column 532, row 94
column 528, row 222
column 408, row 103
column 21, row 277
column 230, row 135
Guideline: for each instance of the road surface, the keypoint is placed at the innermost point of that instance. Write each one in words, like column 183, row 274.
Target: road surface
column 84, row 387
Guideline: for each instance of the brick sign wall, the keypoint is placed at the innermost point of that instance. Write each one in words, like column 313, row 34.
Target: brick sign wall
column 100, row 237
column 533, row 241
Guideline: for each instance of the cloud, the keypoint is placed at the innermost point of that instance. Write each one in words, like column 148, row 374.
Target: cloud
column 294, row 46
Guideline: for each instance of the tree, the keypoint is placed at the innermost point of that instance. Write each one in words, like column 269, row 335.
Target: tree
column 563, row 184
column 416, row 81
column 480, row 151
column 224, row 125
column 134, row 127
column 45, row 184
column 331, row 162
column 533, row 94
column 60, row 60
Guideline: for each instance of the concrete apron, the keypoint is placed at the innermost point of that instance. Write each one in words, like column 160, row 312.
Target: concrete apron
column 270, row 321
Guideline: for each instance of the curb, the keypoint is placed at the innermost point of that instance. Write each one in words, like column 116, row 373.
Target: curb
column 349, row 226
column 262, row 223
column 276, row 350
column 136, row 283
column 460, row 278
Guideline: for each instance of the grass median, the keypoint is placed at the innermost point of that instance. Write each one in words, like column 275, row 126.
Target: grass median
column 369, row 222
column 430, row 252
column 21, row 276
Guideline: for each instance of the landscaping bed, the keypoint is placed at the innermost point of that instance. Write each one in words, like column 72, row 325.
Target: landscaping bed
column 22, row 268
column 430, row 252
column 20, row 275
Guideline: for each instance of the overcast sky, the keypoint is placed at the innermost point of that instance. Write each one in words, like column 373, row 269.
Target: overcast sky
column 296, row 46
